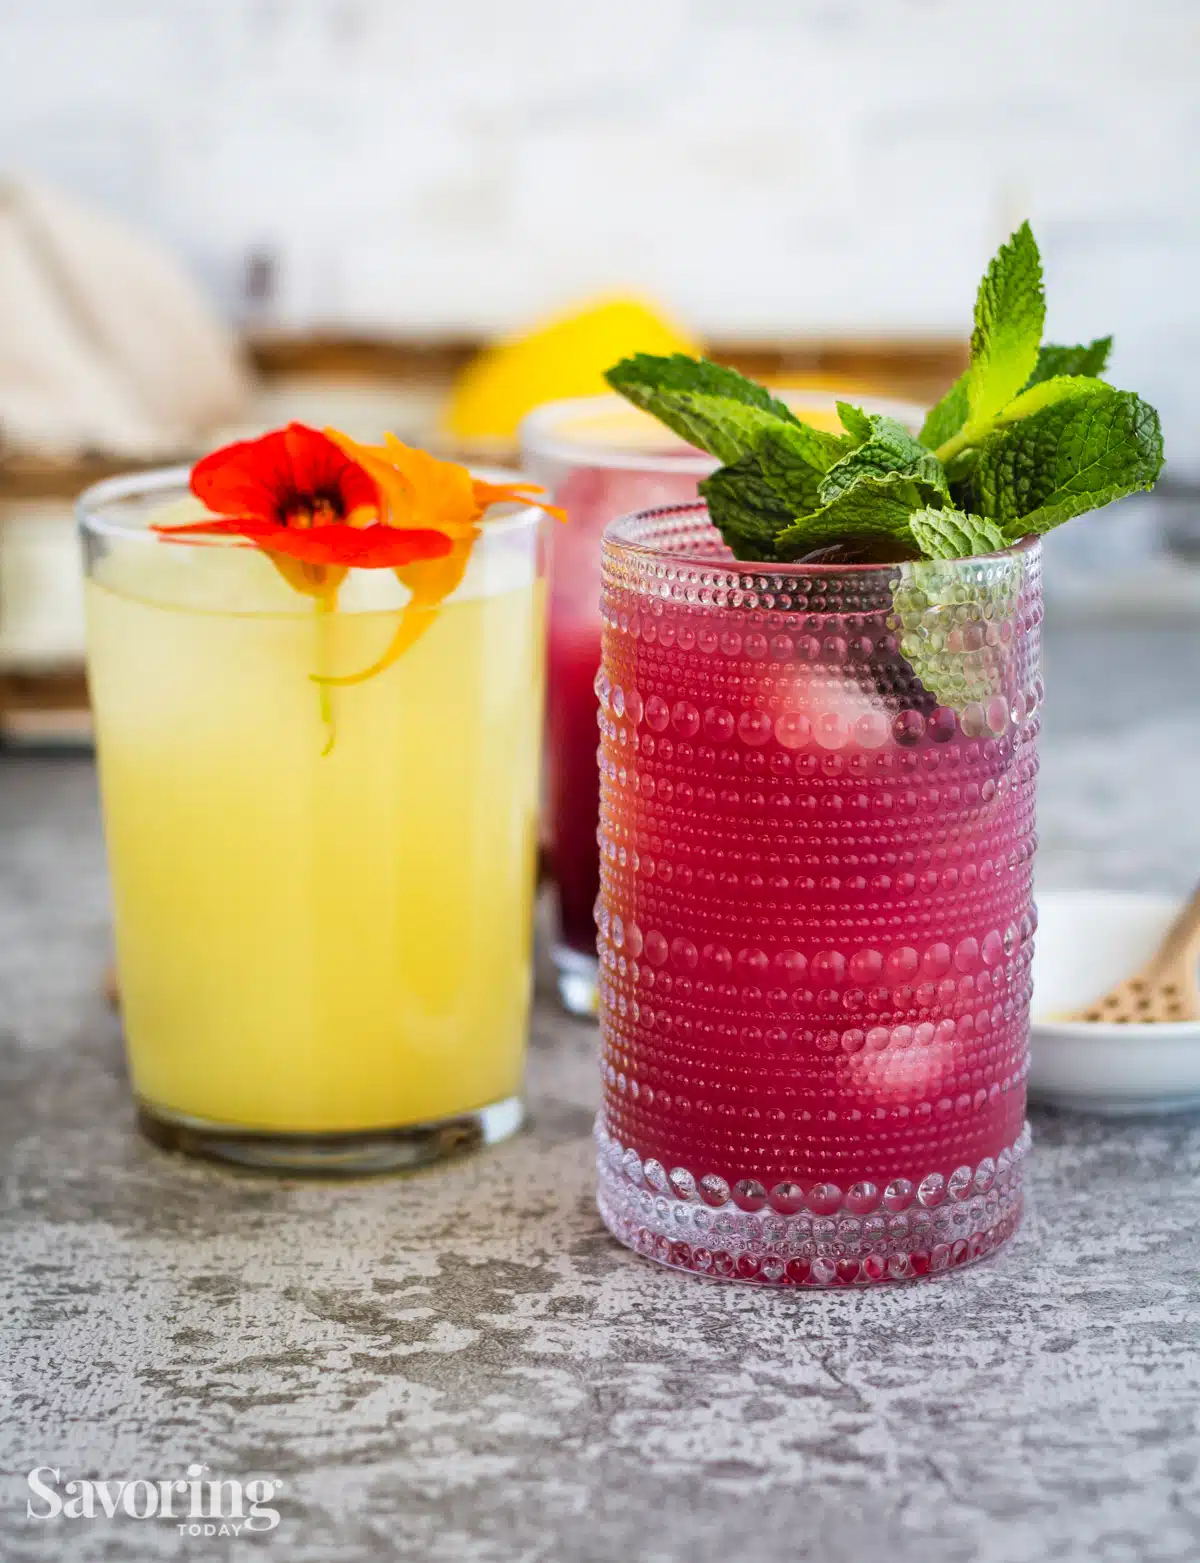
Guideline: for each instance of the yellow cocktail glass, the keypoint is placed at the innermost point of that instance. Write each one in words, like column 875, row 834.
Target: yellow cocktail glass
column 322, row 895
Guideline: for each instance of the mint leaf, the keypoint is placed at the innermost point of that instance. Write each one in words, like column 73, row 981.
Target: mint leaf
column 888, row 448
column 722, row 425
column 790, row 457
column 816, row 447
column 947, row 417
column 1010, row 311
column 1028, row 437
column 953, row 534
column 959, row 467
column 872, row 508
column 1068, row 457
column 777, row 479
column 745, row 509
column 1061, row 388
column 1088, row 358
column 856, row 423
column 646, row 373
column 665, row 387
column 793, row 463
column 942, row 613
column 729, row 429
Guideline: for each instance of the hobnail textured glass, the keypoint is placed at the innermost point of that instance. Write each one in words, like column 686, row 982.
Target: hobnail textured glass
column 815, row 917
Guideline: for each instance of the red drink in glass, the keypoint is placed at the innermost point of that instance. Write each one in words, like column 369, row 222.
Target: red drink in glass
column 587, row 454
column 815, row 914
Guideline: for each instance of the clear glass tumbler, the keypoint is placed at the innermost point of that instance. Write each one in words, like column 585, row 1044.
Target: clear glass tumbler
column 815, row 917
column 322, row 903
column 601, row 458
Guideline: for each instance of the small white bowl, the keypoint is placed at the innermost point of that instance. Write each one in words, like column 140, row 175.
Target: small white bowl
column 1088, row 941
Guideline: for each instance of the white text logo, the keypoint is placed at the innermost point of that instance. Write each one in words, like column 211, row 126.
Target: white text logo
column 198, row 1507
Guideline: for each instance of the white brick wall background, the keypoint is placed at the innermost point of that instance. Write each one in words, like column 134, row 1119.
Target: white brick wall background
column 765, row 167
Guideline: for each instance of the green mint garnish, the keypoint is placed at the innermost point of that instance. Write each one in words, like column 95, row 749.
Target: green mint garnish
column 888, row 449
column 1066, row 456
column 947, row 417
column 871, row 492
column 874, row 509
column 942, row 613
column 954, row 534
column 856, row 423
column 1090, row 358
column 1009, row 314
column 745, row 509
column 1026, row 438
column 697, row 400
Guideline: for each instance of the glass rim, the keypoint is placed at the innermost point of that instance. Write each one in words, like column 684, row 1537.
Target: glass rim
column 538, row 434
column 614, row 539
column 151, row 481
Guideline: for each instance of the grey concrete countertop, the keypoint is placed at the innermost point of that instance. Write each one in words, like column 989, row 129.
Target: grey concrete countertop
column 462, row 1367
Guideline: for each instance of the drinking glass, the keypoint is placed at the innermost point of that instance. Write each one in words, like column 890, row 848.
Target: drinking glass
column 815, row 916
column 322, row 903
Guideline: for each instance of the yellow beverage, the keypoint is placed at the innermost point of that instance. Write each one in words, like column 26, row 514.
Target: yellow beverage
column 312, row 942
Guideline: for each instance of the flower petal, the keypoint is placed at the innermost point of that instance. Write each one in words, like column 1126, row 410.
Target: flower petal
column 430, row 581
column 319, row 467
column 245, row 479
column 285, row 470
column 517, row 494
column 374, row 547
column 417, row 489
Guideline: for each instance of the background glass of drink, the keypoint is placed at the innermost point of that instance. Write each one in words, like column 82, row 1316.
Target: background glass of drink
column 602, row 458
column 324, row 948
column 815, row 913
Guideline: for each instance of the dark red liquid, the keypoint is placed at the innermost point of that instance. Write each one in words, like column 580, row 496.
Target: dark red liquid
column 573, row 783
column 593, row 496
column 816, row 916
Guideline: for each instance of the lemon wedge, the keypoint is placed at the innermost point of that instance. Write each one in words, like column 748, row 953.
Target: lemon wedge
column 565, row 356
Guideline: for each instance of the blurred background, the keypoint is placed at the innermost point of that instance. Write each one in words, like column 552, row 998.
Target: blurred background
column 216, row 213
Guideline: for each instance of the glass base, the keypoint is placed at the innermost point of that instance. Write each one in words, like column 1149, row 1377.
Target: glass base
column 402, row 1149
column 912, row 1230
column 577, row 974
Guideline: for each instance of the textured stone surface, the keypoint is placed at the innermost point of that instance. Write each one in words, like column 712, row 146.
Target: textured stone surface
column 462, row 1367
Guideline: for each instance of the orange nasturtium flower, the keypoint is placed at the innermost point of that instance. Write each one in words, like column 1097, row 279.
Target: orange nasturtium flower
column 418, row 491
column 307, row 505
column 319, row 504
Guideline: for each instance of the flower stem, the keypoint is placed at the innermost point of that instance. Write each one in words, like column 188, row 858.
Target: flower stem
column 325, row 605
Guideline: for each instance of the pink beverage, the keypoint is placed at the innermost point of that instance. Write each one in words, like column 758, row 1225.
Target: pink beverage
column 601, row 459
column 817, row 788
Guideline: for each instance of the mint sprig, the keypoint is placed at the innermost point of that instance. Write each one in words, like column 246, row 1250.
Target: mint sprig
column 888, row 449
column 1065, row 457
column 872, row 510
column 1090, row 358
column 856, row 423
column 1028, row 437
column 1009, row 314
column 954, row 534
column 698, row 400
column 744, row 508
column 946, row 417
